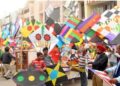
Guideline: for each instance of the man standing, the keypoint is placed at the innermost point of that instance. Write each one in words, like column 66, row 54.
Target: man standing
column 6, row 60
column 100, row 64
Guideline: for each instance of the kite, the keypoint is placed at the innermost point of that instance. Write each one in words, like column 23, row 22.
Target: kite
column 42, row 38
column 30, row 78
column 108, row 26
column 56, row 75
column 29, row 28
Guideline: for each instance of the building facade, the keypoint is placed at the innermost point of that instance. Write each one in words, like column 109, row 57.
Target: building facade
column 40, row 9
column 60, row 10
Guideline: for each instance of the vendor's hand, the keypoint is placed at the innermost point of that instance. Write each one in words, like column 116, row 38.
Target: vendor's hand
column 105, row 71
column 113, row 81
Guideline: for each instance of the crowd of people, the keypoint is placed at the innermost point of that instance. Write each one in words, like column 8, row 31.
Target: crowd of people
column 106, row 59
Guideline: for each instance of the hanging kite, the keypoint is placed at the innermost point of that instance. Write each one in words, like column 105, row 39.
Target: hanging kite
column 29, row 28
column 30, row 78
column 108, row 26
column 42, row 38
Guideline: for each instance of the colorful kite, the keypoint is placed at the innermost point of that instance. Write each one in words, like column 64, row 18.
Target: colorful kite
column 42, row 38
column 109, row 24
column 29, row 28
column 56, row 75
column 84, row 27
column 30, row 78
column 68, row 27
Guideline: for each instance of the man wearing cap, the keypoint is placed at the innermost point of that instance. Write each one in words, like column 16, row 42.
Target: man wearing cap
column 100, row 64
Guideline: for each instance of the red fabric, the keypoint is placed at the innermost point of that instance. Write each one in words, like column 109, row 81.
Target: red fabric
column 55, row 54
column 101, row 47
column 38, row 64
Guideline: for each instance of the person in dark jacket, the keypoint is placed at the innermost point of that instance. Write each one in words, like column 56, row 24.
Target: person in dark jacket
column 100, row 64
column 6, row 60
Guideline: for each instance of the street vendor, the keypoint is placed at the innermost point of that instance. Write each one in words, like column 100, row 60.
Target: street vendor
column 100, row 64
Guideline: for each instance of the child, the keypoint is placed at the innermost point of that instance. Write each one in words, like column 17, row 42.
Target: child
column 39, row 64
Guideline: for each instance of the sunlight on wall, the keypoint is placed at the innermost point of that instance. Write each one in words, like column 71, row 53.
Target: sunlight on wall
column 10, row 6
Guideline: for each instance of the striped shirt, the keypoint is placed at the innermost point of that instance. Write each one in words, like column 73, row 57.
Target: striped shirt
column 83, row 60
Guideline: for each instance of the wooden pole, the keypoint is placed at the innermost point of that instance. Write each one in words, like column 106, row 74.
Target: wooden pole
column 21, row 54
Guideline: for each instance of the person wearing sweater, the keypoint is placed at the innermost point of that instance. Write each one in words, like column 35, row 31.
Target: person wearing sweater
column 100, row 63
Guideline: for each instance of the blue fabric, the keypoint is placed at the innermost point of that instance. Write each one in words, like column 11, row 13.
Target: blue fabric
column 117, row 73
column 60, row 42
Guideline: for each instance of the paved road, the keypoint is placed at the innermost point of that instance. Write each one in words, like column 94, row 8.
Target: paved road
column 4, row 82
